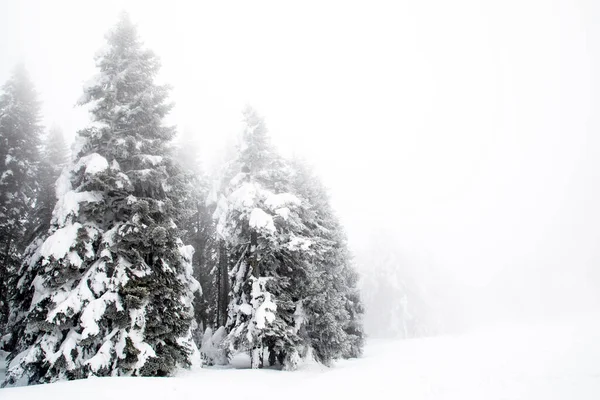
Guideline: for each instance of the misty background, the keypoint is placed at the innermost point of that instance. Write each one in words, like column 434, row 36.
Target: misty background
column 458, row 139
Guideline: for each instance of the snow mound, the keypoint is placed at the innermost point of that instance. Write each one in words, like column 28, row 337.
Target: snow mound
column 212, row 350
column 241, row 361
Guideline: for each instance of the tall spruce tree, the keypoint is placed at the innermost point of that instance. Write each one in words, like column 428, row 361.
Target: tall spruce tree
column 256, row 218
column 332, row 306
column 293, row 286
column 53, row 158
column 111, row 282
column 20, row 132
column 199, row 230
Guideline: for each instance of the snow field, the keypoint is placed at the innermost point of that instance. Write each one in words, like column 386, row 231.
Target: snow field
column 546, row 361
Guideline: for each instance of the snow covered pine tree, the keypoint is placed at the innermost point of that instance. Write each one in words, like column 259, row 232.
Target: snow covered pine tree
column 19, row 156
column 54, row 157
column 332, row 307
column 253, row 212
column 291, row 290
column 112, row 284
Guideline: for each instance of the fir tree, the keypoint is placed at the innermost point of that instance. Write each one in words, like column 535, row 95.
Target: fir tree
column 353, row 326
column 112, row 284
column 199, row 230
column 19, row 156
column 332, row 306
column 256, row 217
column 54, row 157
column 293, row 286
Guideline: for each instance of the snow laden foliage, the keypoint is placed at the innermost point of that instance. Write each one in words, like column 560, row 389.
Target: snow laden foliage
column 108, row 290
column 332, row 307
column 260, row 309
column 292, row 287
column 20, row 132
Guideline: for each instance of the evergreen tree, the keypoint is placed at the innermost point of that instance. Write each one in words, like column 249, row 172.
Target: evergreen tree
column 293, row 286
column 20, row 131
column 353, row 326
column 256, row 218
column 54, row 157
column 199, row 230
column 112, row 284
column 332, row 307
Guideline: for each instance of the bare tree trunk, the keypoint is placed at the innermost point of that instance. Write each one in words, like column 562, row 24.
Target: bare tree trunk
column 220, row 286
column 223, row 286
column 257, row 356
column 4, row 285
column 199, row 263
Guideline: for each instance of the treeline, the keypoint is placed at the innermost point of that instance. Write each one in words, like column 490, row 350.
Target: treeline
column 126, row 259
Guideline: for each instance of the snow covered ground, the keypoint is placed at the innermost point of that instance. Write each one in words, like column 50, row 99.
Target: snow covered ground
column 546, row 361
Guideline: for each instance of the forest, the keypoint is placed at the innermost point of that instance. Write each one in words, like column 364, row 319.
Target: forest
column 312, row 200
column 126, row 259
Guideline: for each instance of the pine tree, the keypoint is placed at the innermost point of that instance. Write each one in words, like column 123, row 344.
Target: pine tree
column 20, row 131
column 54, row 157
column 293, row 286
column 256, row 216
column 112, row 282
column 332, row 307
column 353, row 326
column 199, row 230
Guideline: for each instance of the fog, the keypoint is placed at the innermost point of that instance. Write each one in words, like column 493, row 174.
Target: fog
column 461, row 134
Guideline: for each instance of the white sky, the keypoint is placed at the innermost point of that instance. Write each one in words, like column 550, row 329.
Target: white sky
column 468, row 129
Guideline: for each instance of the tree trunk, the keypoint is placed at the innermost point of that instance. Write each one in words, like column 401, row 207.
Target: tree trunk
column 4, row 285
column 220, row 286
column 257, row 356
column 223, row 285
